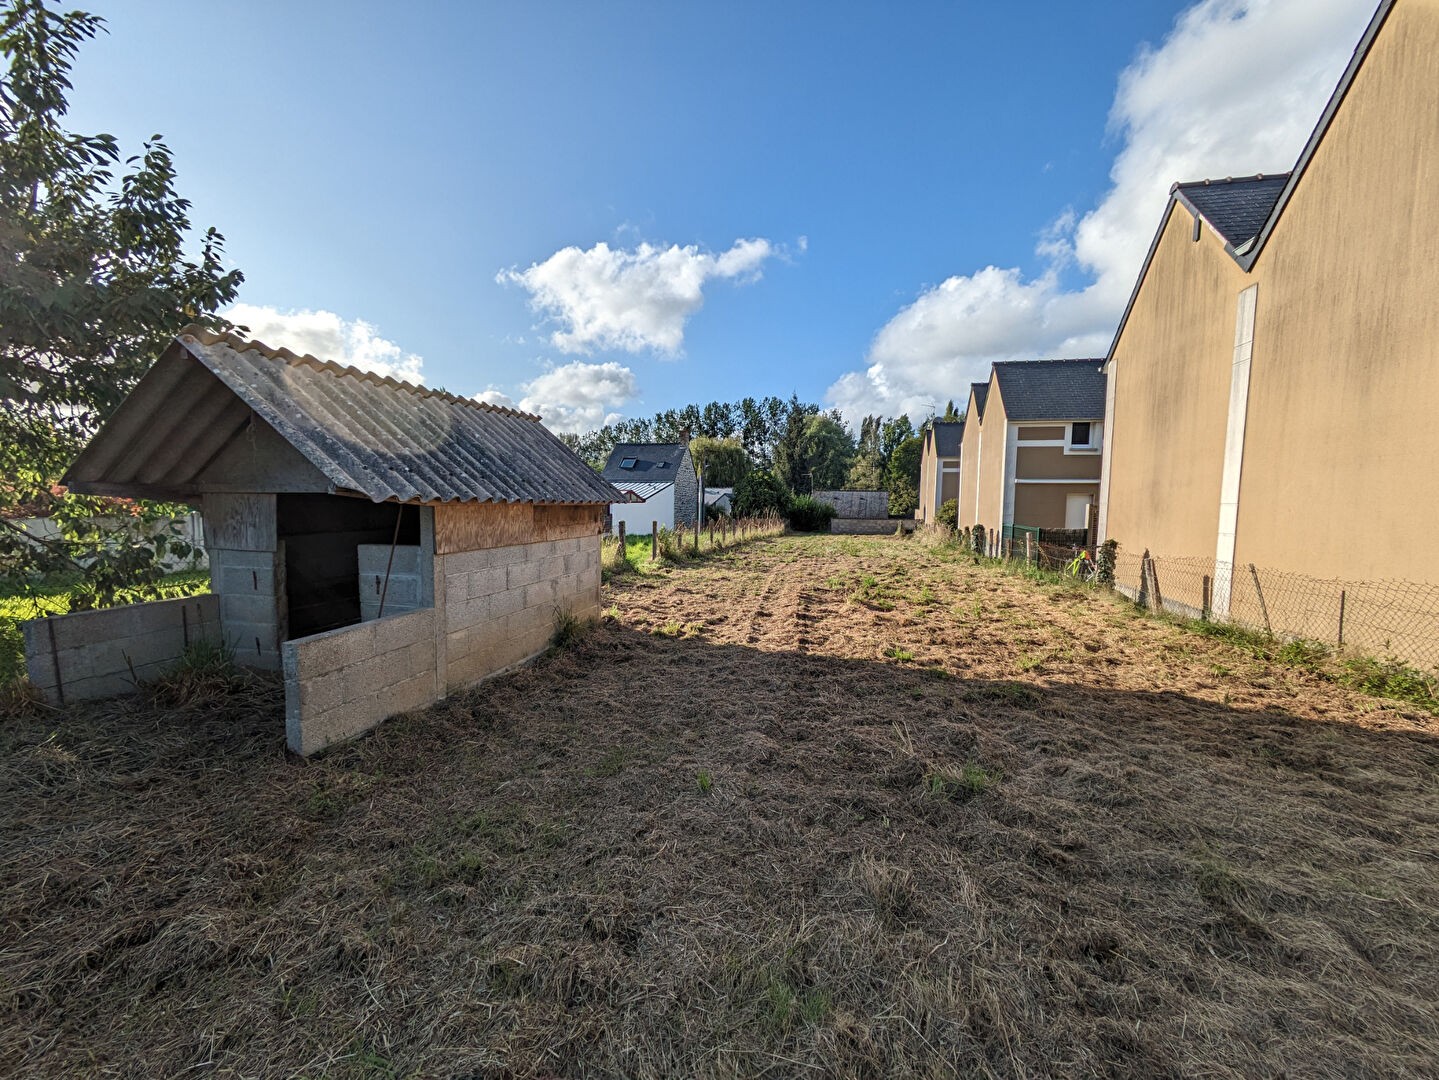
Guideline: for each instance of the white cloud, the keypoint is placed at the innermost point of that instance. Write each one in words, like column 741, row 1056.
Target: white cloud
column 635, row 299
column 325, row 335
column 494, row 396
column 573, row 397
column 1233, row 90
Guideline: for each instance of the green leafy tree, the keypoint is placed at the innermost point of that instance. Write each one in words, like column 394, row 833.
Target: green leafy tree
column 761, row 492
column 866, row 474
column 98, row 278
column 723, row 462
column 828, row 452
column 902, row 476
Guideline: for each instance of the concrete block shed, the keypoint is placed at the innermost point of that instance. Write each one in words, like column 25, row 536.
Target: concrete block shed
column 378, row 542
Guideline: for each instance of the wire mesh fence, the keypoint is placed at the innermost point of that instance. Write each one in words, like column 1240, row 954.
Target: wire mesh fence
column 1387, row 620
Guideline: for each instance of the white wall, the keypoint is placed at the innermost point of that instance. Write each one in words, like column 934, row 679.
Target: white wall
column 639, row 518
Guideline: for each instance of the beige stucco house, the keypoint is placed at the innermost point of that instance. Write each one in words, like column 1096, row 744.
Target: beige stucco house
column 969, row 454
column 1037, row 452
column 939, row 467
column 1273, row 383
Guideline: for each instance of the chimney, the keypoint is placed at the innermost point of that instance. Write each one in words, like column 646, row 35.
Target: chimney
column 685, row 436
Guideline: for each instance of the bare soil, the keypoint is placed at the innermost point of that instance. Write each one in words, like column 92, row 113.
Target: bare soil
column 817, row 807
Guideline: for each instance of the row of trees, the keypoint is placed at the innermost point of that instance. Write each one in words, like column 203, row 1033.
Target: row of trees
column 806, row 447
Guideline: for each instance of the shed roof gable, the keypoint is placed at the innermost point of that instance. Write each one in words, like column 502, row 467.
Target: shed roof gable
column 365, row 434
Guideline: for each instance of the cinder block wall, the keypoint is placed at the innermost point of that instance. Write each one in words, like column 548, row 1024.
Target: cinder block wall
column 247, row 572
column 403, row 591
column 95, row 654
column 343, row 682
column 499, row 603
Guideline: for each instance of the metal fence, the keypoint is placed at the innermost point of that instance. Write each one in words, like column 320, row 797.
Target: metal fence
column 1387, row 619
column 1396, row 620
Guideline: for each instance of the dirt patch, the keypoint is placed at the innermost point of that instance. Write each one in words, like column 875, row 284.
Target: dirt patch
column 823, row 806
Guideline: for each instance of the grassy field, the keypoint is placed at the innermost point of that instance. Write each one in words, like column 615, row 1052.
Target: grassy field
column 815, row 807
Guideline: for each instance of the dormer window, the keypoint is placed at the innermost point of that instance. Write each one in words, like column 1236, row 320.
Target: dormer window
column 663, row 465
column 628, row 463
column 1079, row 435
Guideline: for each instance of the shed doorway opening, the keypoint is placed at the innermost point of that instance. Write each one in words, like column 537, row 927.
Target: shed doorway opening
column 323, row 535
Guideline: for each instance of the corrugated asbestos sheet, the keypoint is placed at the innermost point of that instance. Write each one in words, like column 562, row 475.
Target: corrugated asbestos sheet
column 366, row 434
column 856, row 504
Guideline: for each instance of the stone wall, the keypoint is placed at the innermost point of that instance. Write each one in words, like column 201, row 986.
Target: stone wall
column 342, row 683
column 500, row 603
column 95, row 654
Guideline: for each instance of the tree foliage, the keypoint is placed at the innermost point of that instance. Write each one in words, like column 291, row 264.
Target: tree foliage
column 902, row 476
column 723, row 462
column 98, row 278
column 761, row 492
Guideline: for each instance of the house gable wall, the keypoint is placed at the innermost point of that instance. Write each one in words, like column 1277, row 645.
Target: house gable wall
column 969, row 465
column 993, row 439
column 1171, row 371
column 1346, row 349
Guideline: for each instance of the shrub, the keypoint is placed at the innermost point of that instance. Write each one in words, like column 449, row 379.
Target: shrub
column 1104, row 564
column 948, row 514
column 808, row 514
column 976, row 540
column 761, row 493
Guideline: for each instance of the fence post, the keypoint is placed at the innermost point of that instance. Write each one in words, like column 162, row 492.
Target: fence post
column 654, row 541
column 1158, row 596
column 1341, row 618
column 1143, row 598
column 624, row 555
column 1263, row 607
column 1029, row 547
column 1206, row 596
column 697, row 539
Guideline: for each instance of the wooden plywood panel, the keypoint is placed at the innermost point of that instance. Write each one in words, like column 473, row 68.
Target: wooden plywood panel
column 240, row 522
column 475, row 526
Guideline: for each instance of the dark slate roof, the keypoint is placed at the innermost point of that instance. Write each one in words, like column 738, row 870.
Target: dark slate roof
column 654, row 462
column 981, row 393
column 1051, row 389
column 365, row 433
column 1237, row 207
column 947, row 437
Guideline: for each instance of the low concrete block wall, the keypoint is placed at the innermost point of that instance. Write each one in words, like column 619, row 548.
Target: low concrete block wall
column 96, row 654
column 870, row 526
column 344, row 682
column 500, row 602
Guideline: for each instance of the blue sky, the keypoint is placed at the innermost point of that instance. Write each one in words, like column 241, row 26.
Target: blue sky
column 860, row 203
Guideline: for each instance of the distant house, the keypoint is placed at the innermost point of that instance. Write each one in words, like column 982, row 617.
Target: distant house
column 969, row 454
column 939, row 467
column 719, row 500
column 1038, row 457
column 662, row 482
column 1275, row 377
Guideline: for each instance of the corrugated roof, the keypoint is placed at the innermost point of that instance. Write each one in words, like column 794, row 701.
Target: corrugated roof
column 666, row 459
column 1051, row 389
column 644, row 491
column 947, row 437
column 980, row 390
column 366, row 434
column 1236, row 207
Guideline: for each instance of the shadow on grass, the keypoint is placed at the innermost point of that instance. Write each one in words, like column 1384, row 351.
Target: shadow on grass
column 658, row 856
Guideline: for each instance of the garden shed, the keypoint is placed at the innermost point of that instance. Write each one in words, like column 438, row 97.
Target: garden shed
column 379, row 542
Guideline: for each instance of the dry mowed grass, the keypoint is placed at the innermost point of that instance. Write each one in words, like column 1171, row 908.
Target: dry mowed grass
column 819, row 807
